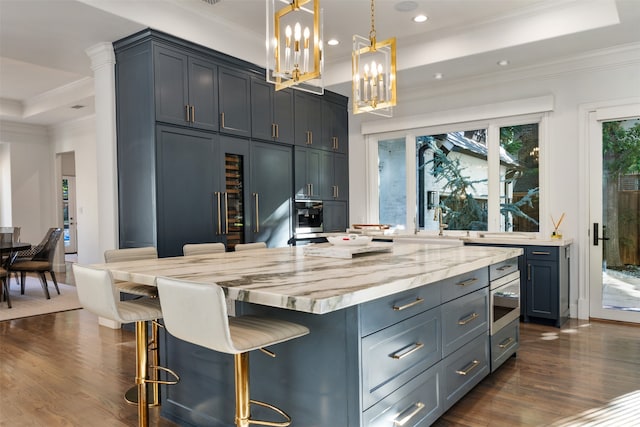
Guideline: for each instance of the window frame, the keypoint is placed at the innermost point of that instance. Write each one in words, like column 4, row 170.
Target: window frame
column 493, row 144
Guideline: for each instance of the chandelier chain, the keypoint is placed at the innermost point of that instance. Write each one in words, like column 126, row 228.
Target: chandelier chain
column 372, row 33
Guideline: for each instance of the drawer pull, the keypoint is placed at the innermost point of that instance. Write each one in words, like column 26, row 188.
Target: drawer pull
column 411, row 304
column 406, row 415
column 473, row 365
column 506, row 343
column 468, row 282
column 469, row 318
column 540, row 253
column 504, row 267
column 417, row 346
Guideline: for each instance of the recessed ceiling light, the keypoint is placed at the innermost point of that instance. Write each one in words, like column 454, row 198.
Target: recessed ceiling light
column 333, row 42
column 406, row 6
column 420, row 18
column 438, row 76
column 503, row 62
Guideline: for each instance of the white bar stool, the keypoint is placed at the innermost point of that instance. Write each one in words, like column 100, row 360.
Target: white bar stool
column 202, row 248
column 197, row 313
column 97, row 293
column 250, row 246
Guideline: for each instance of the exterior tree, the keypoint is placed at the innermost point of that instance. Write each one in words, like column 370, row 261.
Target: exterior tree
column 620, row 155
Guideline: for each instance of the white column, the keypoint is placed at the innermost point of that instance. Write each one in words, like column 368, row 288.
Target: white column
column 103, row 66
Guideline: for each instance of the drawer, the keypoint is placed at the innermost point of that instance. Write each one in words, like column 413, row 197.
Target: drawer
column 546, row 253
column 504, row 344
column 393, row 356
column 464, row 369
column 417, row 403
column 503, row 268
column 463, row 319
column 383, row 312
column 463, row 284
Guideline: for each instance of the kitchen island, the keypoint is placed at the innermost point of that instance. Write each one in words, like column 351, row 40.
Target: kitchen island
column 394, row 335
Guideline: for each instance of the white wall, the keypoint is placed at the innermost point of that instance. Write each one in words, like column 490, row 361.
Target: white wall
column 80, row 138
column 611, row 76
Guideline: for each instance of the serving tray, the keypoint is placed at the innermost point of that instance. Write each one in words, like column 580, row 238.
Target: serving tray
column 333, row 251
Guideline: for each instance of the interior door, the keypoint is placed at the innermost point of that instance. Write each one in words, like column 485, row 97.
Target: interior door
column 614, row 277
column 69, row 214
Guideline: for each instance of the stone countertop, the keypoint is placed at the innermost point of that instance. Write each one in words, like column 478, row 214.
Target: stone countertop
column 489, row 239
column 286, row 278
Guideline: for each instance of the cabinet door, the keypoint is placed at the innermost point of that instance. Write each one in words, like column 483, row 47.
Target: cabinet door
column 203, row 94
column 308, row 119
column 341, row 176
column 307, row 173
column 232, row 197
column 234, row 89
column 186, row 182
column 335, row 217
column 262, row 125
column 283, row 115
column 271, row 178
column 542, row 289
column 327, row 181
column 334, row 127
column 171, row 86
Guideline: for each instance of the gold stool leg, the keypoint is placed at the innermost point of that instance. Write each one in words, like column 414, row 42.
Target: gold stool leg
column 141, row 372
column 241, row 368
column 155, row 361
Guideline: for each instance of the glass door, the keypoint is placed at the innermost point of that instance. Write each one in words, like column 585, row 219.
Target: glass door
column 615, row 214
column 232, row 199
column 68, row 214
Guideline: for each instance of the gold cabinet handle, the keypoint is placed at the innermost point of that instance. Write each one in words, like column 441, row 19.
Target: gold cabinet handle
column 187, row 113
column 311, row 189
column 468, row 282
column 277, row 131
column 504, row 267
column 226, row 213
column 506, row 343
column 257, row 200
column 217, row 193
column 540, row 253
column 409, row 305
column 193, row 114
column 417, row 346
column 405, row 416
column 473, row 365
column 222, row 120
column 273, row 130
column 473, row 316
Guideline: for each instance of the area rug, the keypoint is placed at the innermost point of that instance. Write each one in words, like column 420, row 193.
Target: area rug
column 34, row 302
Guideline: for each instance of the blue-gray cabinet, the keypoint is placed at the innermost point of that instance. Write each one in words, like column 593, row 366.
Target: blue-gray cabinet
column 185, row 89
column 335, row 216
column 272, row 112
column 308, row 119
column 335, row 132
column 308, row 173
column 234, row 101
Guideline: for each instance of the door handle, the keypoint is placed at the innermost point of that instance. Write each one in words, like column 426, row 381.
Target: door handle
column 595, row 234
column 217, row 193
column 257, row 200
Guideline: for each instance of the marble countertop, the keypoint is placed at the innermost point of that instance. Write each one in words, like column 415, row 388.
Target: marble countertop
column 286, row 278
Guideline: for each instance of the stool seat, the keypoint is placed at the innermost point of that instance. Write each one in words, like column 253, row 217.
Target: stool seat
column 143, row 309
column 197, row 313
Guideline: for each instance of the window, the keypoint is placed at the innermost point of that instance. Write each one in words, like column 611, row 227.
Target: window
column 480, row 178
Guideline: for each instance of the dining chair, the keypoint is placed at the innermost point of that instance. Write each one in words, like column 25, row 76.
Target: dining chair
column 202, row 248
column 197, row 313
column 4, row 290
column 250, row 246
column 41, row 262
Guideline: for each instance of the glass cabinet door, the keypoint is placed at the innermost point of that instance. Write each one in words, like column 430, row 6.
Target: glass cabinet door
column 233, row 194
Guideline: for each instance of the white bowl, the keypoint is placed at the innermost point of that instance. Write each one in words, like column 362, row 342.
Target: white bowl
column 350, row 240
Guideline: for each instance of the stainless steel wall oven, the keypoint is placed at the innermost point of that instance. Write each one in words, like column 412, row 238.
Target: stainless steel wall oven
column 308, row 216
column 504, row 301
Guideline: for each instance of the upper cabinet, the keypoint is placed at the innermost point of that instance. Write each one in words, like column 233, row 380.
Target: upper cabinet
column 234, row 100
column 335, row 132
column 185, row 89
column 271, row 112
column 308, row 119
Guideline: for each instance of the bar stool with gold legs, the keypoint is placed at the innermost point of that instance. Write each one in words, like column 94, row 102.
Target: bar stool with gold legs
column 197, row 313
column 139, row 290
column 97, row 293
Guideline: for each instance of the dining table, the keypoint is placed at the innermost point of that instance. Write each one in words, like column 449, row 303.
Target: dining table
column 10, row 249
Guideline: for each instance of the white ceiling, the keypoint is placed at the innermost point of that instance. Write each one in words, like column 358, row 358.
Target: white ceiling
column 44, row 70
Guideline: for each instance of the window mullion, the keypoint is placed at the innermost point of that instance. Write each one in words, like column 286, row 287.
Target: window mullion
column 493, row 199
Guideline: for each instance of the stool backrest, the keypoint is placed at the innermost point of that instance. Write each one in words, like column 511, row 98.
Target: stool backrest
column 96, row 291
column 196, row 313
column 202, row 248
column 130, row 254
column 250, row 246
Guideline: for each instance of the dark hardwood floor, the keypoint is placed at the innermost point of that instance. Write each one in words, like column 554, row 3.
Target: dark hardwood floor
column 64, row 370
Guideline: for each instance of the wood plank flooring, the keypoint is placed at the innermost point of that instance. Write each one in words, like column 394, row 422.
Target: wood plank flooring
column 64, row 370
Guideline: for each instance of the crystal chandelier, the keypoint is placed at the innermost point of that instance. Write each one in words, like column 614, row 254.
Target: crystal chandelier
column 294, row 45
column 374, row 73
